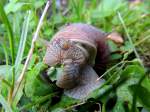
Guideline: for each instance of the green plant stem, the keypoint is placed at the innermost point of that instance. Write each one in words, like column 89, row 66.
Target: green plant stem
column 11, row 43
column 10, row 32
column 129, row 38
column 6, row 54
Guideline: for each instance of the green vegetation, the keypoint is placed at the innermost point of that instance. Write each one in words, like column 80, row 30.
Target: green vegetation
column 127, row 86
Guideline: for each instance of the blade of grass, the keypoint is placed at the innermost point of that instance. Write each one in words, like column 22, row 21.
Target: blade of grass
column 31, row 49
column 6, row 22
column 110, row 69
column 5, row 52
column 142, row 40
column 122, row 63
column 129, row 38
column 77, row 6
column 5, row 105
column 22, row 41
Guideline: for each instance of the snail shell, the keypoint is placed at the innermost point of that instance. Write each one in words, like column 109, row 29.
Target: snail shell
column 77, row 46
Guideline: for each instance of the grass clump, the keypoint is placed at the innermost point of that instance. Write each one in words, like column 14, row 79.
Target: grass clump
column 127, row 78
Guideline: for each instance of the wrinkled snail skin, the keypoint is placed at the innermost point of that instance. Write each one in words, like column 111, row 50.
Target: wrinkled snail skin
column 70, row 76
column 77, row 46
column 88, row 83
column 72, row 57
column 73, row 60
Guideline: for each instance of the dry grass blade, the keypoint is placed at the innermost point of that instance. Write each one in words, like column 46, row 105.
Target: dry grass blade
column 5, row 104
column 31, row 49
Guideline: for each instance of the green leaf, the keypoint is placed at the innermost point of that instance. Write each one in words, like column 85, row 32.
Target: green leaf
column 34, row 85
column 54, row 73
column 142, row 93
column 13, row 7
column 38, row 4
column 37, row 101
column 146, row 83
column 116, row 56
column 118, row 107
column 127, row 46
column 113, row 46
column 19, row 94
column 5, row 104
column 5, row 71
column 134, row 72
column 5, row 78
column 101, row 93
column 58, row 110
column 65, row 102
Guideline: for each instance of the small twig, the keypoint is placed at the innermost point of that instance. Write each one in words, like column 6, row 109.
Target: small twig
column 75, row 105
column 109, row 70
column 31, row 49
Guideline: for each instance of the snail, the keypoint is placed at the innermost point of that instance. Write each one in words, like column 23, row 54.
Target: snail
column 83, row 52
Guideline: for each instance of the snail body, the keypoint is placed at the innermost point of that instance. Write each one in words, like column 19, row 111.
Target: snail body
column 80, row 48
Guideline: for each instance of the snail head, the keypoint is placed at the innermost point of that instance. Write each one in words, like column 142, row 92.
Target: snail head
column 69, row 54
column 55, row 51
